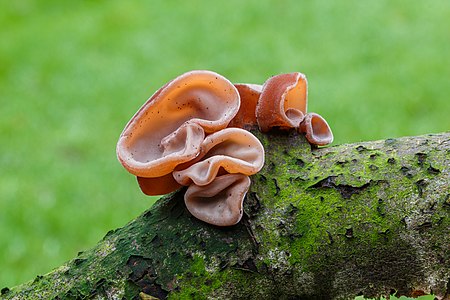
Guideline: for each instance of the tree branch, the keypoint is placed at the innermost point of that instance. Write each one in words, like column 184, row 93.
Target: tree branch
column 367, row 219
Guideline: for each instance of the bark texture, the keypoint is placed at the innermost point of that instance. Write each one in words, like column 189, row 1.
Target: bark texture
column 369, row 218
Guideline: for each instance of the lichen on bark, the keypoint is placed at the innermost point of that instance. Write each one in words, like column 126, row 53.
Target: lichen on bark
column 359, row 219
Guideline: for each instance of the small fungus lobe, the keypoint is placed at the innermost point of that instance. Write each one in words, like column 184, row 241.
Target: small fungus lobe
column 316, row 129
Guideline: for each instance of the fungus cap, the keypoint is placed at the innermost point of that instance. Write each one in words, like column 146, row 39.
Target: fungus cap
column 283, row 102
column 168, row 129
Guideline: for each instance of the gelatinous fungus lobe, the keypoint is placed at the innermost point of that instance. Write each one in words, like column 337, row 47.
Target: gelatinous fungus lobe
column 170, row 127
column 190, row 133
column 231, row 150
column 246, row 116
column 218, row 179
column 219, row 202
column 316, row 129
column 283, row 102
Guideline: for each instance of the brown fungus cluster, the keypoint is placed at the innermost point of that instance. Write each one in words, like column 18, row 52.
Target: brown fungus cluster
column 191, row 133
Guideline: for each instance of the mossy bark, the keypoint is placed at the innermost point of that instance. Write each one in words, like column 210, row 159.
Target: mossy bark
column 368, row 218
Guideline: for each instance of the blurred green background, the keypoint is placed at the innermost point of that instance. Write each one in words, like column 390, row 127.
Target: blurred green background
column 73, row 73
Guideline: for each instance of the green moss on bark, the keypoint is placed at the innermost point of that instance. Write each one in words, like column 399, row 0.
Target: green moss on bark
column 363, row 218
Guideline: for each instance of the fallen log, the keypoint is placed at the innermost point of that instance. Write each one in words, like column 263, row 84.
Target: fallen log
column 369, row 218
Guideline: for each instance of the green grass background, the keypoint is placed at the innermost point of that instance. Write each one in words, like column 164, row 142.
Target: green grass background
column 72, row 73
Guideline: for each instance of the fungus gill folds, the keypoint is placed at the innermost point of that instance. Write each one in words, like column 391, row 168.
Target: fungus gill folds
column 191, row 132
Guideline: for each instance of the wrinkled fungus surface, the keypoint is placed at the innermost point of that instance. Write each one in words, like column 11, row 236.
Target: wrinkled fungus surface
column 220, row 202
column 191, row 132
column 233, row 150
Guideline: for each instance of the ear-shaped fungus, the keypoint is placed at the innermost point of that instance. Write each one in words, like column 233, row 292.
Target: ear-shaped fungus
column 246, row 116
column 316, row 129
column 220, row 202
column 169, row 128
column 231, row 150
column 283, row 102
